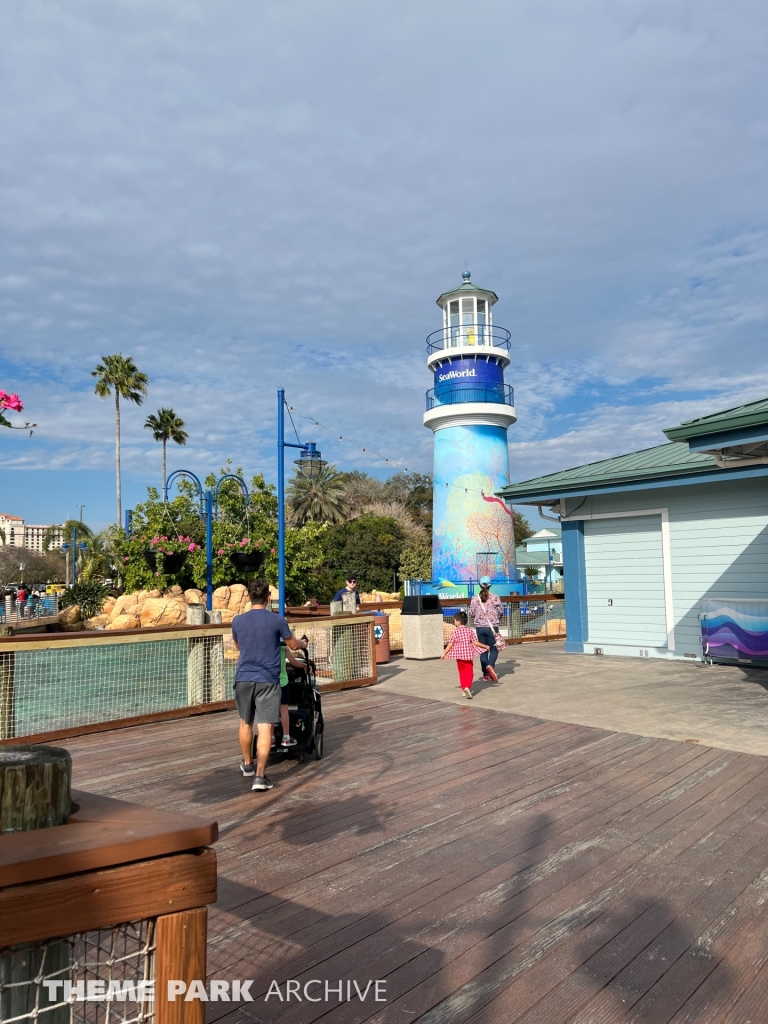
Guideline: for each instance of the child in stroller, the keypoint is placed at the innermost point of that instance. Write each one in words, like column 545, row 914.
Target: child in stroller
column 301, row 716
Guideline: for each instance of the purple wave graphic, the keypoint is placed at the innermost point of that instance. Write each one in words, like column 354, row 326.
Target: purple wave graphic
column 730, row 634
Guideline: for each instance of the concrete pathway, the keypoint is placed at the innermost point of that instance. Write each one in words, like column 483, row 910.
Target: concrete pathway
column 721, row 706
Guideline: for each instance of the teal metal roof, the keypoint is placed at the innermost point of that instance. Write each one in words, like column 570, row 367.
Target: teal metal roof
column 751, row 414
column 665, row 460
column 467, row 288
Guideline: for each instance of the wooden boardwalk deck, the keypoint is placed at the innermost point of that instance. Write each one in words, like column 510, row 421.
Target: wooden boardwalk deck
column 490, row 867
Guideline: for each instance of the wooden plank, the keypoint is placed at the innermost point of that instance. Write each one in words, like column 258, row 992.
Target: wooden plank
column 102, row 832
column 104, row 898
column 181, row 941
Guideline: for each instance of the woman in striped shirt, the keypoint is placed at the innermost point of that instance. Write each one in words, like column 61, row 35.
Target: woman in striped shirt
column 486, row 609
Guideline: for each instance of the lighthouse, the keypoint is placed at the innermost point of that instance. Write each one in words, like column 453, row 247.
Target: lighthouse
column 469, row 409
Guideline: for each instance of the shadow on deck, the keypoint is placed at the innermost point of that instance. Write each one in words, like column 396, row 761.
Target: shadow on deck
column 487, row 867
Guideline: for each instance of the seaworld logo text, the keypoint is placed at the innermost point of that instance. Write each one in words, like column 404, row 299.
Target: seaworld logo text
column 456, row 373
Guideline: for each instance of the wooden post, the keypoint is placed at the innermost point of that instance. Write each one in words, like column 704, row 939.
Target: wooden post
column 216, row 680
column 180, row 947
column 35, row 788
column 7, row 693
column 35, row 793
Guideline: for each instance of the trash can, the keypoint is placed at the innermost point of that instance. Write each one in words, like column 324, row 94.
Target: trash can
column 381, row 636
column 422, row 624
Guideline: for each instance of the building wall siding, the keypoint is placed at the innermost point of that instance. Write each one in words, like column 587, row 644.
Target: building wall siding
column 718, row 541
column 624, row 566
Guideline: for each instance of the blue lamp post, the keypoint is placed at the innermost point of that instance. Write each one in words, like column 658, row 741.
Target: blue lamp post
column 310, row 462
column 74, row 546
column 209, row 507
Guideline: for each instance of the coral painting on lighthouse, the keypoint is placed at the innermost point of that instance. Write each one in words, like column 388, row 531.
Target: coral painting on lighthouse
column 476, row 534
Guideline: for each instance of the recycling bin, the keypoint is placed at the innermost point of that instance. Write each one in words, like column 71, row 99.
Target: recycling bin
column 381, row 636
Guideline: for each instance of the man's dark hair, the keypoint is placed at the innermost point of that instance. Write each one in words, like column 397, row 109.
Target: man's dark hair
column 258, row 591
column 461, row 618
column 352, row 579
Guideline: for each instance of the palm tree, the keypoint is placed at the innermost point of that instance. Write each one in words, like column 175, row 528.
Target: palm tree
column 318, row 498
column 120, row 373
column 83, row 533
column 165, row 427
column 96, row 560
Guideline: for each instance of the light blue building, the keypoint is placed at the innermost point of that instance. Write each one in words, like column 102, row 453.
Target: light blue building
column 655, row 540
column 542, row 552
column 469, row 409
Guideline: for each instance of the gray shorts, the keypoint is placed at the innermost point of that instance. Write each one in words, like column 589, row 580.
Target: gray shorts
column 259, row 701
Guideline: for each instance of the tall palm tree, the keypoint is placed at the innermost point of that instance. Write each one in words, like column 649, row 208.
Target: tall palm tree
column 165, row 427
column 317, row 498
column 120, row 374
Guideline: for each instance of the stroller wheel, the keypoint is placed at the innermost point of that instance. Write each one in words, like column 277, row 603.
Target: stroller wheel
column 318, row 746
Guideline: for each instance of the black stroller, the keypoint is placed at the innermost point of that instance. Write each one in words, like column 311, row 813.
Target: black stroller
column 304, row 712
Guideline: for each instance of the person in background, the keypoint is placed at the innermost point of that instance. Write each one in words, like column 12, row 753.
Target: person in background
column 21, row 600
column 350, row 588
column 463, row 648
column 256, row 635
column 486, row 609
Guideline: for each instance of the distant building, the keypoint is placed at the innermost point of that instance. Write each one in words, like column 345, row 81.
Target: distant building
column 19, row 534
column 543, row 553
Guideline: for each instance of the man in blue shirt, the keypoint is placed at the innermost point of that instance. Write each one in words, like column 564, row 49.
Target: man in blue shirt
column 257, row 634
column 349, row 589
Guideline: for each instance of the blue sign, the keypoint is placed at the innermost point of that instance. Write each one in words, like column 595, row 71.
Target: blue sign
column 469, row 371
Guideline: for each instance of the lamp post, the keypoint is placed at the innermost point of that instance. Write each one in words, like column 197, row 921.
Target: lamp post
column 209, row 507
column 71, row 548
column 309, row 462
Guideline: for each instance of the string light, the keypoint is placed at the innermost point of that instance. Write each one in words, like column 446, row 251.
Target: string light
column 389, row 462
column 349, row 440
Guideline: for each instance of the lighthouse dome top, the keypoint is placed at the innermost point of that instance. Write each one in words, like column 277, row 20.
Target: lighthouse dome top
column 467, row 288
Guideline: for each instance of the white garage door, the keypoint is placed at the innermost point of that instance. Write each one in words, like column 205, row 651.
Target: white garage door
column 625, row 581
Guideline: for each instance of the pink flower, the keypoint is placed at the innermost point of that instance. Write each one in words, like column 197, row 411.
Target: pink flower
column 12, row 402
column 155, row 540
column 126, row 559
column 192, row 547
column 182, row 539
column 272, row 550
column 243, row 542
column 221, row 551
column 163, row 538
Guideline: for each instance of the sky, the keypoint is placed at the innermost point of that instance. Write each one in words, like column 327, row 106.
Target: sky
column 247, row 195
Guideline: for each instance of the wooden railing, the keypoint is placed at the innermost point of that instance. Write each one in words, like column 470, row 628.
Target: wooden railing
column 115, row 871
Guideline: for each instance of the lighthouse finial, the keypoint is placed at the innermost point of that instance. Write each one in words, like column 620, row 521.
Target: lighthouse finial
column 466, row 275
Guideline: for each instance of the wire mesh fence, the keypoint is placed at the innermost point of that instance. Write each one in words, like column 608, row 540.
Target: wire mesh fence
column 13, row 611
column 59, row 684
column 538, row 617
column 98, row 977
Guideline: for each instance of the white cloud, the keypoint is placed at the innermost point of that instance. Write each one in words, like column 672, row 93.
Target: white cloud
column 247, row 195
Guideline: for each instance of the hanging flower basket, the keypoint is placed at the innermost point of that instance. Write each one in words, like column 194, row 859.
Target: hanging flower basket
column 172, row 561
column 247, row 561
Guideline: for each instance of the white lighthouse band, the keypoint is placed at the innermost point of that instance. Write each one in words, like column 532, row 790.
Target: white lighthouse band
column 469, row 409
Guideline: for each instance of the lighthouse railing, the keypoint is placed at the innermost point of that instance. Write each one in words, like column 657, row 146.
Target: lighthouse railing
column 458, row 394
column 462, row 335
